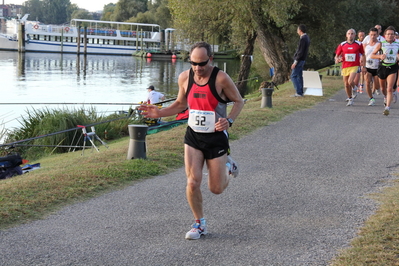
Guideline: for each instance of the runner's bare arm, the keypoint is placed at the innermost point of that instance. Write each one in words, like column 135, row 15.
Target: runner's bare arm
column 374, row 54
column 229, row 91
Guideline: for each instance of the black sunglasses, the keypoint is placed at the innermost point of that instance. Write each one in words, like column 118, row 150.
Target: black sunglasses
column 199, row 64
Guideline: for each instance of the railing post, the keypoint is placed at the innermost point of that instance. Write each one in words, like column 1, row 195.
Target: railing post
column 137, row 146
column 267, row 97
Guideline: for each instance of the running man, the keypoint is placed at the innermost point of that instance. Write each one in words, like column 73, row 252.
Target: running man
column 388, row 70
column 379, row 37
column 350, row 53
column 376, row 89
column 205, row 90
column 371, row 66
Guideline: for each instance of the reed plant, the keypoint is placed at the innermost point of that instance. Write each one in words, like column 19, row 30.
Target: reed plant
column 46, row 122
column 3, row 130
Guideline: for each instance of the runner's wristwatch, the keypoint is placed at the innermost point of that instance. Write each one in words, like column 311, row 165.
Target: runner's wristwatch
column 231, row 121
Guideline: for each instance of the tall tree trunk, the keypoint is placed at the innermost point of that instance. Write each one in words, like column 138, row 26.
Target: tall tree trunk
column 272, row 46
column 246, row 61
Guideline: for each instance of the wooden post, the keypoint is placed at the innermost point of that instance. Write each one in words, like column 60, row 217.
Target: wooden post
column 78, row 41
column 141, row 33
column 167, row 40
column 21, row 38
column 137, row 39
column 62, row 40
column 85, row 40
column 172, row 44
column 21, row 64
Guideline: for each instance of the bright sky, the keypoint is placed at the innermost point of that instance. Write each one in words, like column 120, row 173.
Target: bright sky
column 91, row 5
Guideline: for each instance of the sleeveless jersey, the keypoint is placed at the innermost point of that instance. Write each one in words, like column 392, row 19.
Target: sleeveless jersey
column 390, row 50
column 370, row 62
column 350, row 53
column 204, row 103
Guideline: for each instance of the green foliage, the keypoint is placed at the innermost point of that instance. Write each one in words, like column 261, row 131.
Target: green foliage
column 125, row 9
column 34, row 8
column 108, row 11
column 71, row 9
column 56, row 11
column 82, row 14
column 214, row 17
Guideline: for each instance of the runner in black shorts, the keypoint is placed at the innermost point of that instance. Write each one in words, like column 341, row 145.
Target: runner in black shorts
column 373, row 72
column 205, row 90
column 384, row 71
column 388, row 70
column 212, row 145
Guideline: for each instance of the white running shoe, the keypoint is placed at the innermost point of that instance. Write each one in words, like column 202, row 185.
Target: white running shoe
column 378, row 92
column 372, row 102
column 386, row 111
column 354, row 92
column 196, row 231
column 350, row 102
column 232, row 167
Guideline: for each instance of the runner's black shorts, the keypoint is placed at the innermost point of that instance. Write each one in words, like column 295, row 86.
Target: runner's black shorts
column 212, row 145
column 373, row 72
column 384, row 71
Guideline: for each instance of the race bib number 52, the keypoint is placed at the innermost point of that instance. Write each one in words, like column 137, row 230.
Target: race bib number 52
column 202, row 121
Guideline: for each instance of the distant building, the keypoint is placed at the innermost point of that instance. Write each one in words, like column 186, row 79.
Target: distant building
column 10, row 11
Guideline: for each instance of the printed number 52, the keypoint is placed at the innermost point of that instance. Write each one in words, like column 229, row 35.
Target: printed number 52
column 200, row 120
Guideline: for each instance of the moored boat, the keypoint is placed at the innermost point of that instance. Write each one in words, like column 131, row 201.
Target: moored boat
column 85, row 36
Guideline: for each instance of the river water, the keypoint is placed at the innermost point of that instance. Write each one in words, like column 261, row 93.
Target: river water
column 55, row 79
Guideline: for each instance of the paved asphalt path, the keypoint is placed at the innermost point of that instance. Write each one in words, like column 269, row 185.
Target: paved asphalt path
column 301, row 196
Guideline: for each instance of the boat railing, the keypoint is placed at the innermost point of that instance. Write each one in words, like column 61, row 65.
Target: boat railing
column 93, row 32
column 51, row 29
column 119, row 29
column 9, row 37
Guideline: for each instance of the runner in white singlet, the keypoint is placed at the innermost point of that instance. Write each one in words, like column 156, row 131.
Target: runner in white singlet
column 371, row 66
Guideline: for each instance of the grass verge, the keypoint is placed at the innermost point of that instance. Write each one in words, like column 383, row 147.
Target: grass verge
column 377, row 242
column 67, row 178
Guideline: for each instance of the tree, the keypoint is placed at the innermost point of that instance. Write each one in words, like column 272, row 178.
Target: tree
column 125, row 9
column 108, row 10
column 34, row 9
column 56, row 11
column 71, row 9
column 82, row 14
column 200, row 20
column 162, row 14
column 228, row 24
column 157, row 13
column 270, row 20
